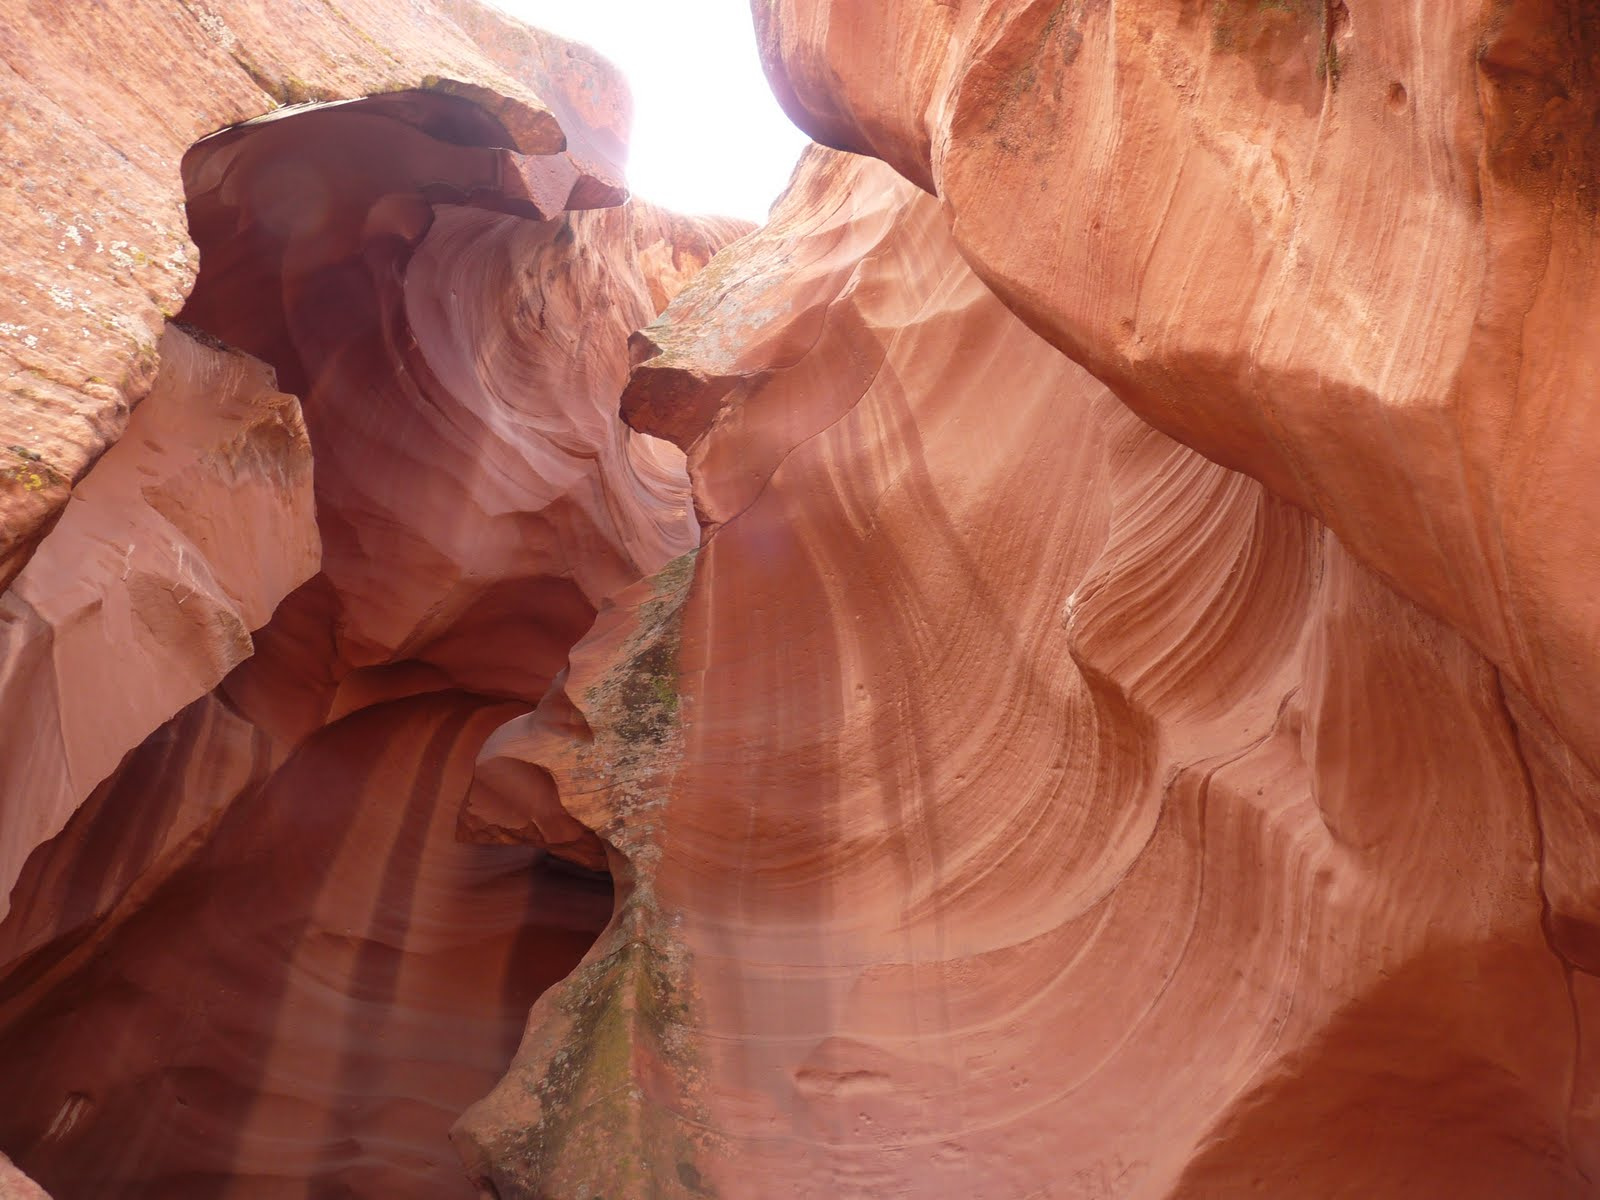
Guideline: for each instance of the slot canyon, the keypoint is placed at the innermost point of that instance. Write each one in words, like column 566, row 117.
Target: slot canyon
column 1058, row 665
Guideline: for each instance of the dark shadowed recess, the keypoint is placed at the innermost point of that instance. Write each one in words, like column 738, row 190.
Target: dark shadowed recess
column 260, row 961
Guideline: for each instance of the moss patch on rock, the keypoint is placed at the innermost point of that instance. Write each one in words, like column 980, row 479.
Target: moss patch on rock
column 612, row 1084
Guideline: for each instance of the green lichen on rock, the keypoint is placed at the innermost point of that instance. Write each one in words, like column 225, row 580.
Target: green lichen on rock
column 28, row 470
column 634, row 710
column 285, row 91
column 612, row 1087
column 1236, row 23
column 649, row 695
column 1251, row 28
column 598, row 1132
column 1329, row 65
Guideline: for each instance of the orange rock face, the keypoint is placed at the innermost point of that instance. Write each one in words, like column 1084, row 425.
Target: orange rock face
column 1349, row 250
column 377, row 491
column 1061, row 666
column 1339, row 250
column 1008, row 801
column 97, row 249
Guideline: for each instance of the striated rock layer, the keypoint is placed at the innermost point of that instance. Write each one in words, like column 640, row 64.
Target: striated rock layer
column 102, row 105
column 1005, row 800
column 377, row 491
column 1347, row 249
column 99, row 257
column 1073, row 680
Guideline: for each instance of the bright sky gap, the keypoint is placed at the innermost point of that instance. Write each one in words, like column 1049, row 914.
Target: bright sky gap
column 708, row 138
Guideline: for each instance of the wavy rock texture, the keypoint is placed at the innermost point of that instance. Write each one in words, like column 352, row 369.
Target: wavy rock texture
column 259, row 958
column 905, row 759
column 1008, row 801
column 97, row 249
column 303, row 998
column 1349, row 249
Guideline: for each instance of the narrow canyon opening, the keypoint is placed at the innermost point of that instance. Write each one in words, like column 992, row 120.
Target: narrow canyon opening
column 1126, row 726
column 265, row 953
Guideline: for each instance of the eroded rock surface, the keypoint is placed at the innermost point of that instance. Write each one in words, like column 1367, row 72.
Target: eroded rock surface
column 378, row 491
column 304, row 997
column 183, row 540
column 1074, row 678
column 100, row 108
column 1348, row 249
column 1027, row 805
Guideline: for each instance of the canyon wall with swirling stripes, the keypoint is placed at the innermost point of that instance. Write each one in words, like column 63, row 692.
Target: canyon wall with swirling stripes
column 1058, row 666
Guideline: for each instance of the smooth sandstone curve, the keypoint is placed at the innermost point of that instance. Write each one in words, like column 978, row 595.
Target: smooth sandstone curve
column 1347, row 249
column 1006, row 800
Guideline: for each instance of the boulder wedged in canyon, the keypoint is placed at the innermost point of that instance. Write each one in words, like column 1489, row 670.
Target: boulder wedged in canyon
column 1347, row 249
column 1009, row 801
column 378, row 490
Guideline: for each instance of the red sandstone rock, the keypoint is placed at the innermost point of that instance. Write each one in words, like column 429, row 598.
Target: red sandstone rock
column 14, row 1185
column 1008, row 801
column 302, row 998
column 259, row 959
column 97, row 252
column 1347, row 249
column 470, row 461
column 1003, row 798
column 180, row 542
